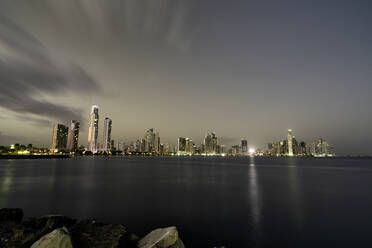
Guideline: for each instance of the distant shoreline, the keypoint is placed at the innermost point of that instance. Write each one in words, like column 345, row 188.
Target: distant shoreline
column 64, row 156
column 52, row 156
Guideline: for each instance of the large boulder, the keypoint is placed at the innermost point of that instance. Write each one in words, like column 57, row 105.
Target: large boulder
column 11, row 214
column 90, row 233
column 59, row 238
column 162, row 238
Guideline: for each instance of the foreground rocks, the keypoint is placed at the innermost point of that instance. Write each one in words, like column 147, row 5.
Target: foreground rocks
column 162, row 238
column 57, row 231
column 58, row 238
column 11, row 214
column 90, row 233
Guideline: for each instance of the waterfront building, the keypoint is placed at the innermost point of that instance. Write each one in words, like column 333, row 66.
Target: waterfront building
column 323, row 149
column 167, row 148
column 210, row 143
column 222, row 149
column 73, row 137
column 93, row 129
column 59, row 138
column 244, row 146
column 107, row 126
column 235, row 150
column 149, row 140
column 112, row 147
column 289, row 142
column 303, row 148
column 189, row 146
column 157, row 143
column 138, row 146
column 295, row 146
column 181, row 148
column 143, row 145
column 120, row 146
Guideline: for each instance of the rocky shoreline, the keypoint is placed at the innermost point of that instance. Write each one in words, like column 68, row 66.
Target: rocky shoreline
column 64, row 232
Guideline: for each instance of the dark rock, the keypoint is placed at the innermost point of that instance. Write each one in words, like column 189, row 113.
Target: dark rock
column 17, row 235
column 33, row 223
column 130, row 240
column 52, row 222
column 11, row 214
column 90, row 233
column 24, row 234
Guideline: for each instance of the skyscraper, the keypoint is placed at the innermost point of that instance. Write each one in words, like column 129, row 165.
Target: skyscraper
column 210, row 143
column 181, row 145
column 73, row 137
column 289, row 142
column 189, row 146
column 157, row 143
column 59, row 139
column 244, row 146
column 107, row 134
column 150, row 140
column 93, row 129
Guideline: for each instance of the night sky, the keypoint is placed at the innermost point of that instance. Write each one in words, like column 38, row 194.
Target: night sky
column 240, row 68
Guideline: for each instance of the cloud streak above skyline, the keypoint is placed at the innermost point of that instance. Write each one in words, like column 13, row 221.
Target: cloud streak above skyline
column 240, row 68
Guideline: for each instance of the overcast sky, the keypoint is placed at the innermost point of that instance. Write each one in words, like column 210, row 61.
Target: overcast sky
column 240, row 68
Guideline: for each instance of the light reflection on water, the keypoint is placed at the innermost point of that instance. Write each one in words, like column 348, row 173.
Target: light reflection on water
column 255, row 202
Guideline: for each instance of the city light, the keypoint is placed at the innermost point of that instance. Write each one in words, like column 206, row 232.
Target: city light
column 252, row 151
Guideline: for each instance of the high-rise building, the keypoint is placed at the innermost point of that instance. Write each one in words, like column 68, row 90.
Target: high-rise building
column 138, row 146
column 143, row 145
column 157, row 143
column 235, row 150
column 295, row 147
column 120, row 146
column 244, row 146
column 289, row 142
column 93, row 129
column 214, row 143
column 303, row 148
column 112, row 146
column 73, row 137
column 222, row 149
column 210, row 143
column 167, row 148
column 150, row 140
column 59, row 139
column 107, row 135
column 189, row 146
column 181, row 145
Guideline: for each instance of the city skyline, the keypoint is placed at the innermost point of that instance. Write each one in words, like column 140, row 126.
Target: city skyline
column 242, row 69
column 65, row 140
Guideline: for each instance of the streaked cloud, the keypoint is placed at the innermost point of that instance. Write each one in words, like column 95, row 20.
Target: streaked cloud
column 28, row 71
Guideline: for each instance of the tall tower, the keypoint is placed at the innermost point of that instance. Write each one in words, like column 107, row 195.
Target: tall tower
column 157, row 142
column 93, row 129
column 289, row 142
column 181, row 148
column 244, row 146
column 107, row 135
column 59, row 139
column 150, row 140
column 73, row 138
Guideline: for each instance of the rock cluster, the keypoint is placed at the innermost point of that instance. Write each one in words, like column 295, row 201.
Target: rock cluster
column 57, row 231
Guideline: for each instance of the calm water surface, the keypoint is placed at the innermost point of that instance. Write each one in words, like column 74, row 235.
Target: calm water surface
column 237, row 202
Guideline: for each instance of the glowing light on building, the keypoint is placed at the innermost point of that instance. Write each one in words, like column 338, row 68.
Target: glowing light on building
column 290, row 144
